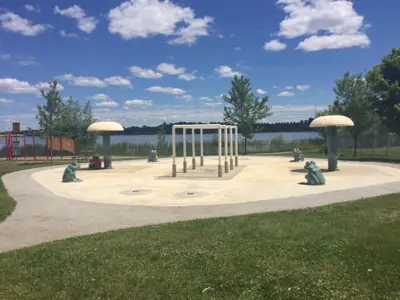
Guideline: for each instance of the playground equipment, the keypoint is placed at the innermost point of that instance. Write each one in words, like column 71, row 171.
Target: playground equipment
column 201, row 127
column 104, row 128
column 13, row 145
column 331, row 123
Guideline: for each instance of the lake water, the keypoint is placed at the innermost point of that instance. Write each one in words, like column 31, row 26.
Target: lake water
column 152, row 139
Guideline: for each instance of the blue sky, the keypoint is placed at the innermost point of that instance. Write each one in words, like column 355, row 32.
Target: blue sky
column 148, row 61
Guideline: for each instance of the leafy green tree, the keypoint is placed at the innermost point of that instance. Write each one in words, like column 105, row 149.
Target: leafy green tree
column 162, row 144
column 245, row 110
column 73, row 123
column 48, row 114
column 384, row 81
column 353, row 100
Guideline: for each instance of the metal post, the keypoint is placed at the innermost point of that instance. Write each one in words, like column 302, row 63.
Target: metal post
column 219, row 153
column 25, row 151
column 201, row 148
column 107, row 150
column 332, row 148
column 184, row 151
column 236, row 147
column 173, row 152
column 193, row 150
column 231, row 147
column 226, row 150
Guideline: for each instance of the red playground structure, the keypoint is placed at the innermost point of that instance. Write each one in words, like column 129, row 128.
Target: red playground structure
column 13, row 146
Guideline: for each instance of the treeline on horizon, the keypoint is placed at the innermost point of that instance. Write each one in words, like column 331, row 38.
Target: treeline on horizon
column 300, row 126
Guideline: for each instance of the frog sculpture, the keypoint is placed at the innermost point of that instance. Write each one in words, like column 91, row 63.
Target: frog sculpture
column 297, row 155
column 70, row 173
column 152, row 157
column 314, row 175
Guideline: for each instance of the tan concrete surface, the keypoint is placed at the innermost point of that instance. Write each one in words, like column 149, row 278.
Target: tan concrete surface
column 258, row 178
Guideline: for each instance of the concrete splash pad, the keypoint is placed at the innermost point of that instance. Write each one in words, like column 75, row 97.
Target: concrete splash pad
column 258, row 178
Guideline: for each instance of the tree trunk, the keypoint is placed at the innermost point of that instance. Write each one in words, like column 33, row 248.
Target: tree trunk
column 245, row 146
column 51, row 150
column 355, row 146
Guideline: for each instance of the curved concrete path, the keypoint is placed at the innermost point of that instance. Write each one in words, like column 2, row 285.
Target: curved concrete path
column 41, row 216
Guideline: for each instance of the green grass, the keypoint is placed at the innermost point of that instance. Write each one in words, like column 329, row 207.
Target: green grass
column 7, row 204
column 341, row 251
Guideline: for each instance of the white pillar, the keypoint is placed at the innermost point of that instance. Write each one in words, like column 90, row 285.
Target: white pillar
column 237, row 147
column 219, row 153
column 193, row 150
column 201, row 148
column 173, row 153
column 184, row 151
column 226, row 150
column 231, row 147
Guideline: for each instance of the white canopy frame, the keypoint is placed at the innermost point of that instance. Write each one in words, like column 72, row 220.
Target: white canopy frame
column 228, row 135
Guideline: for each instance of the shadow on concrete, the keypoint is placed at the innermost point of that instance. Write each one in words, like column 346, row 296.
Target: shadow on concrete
column 296, row 161
column 305, row 171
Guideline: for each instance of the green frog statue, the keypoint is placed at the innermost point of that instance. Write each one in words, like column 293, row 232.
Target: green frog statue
column 297, row 155
column 70, row 173
column 314, row 175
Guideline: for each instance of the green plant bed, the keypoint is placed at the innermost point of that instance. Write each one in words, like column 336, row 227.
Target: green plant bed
column 341, row 251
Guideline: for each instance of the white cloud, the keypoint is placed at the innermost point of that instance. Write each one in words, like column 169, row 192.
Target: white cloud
column 331, row 24
column 213, row 104
column 145, row 73
column 317, row 43
column 261, row 92
column 28, row 62
column 107, row 104
column 221, row 36
column 187, row 77
column 221, row 96
column 274, row 45
column 186, row 97
column 5, row 56
column 85, row 23
column 238, row 48
column 286, row 94
column 144, row 18
column 299, row 108
column 14, row 86
column 166, row 90
column 6, row 101
column 100, row 97
column 225, row 71
column 101, row 110
column 303, row 88
column 205, row 99
column 45, row 86
column 138, row 102
column 170, row 69
column 118, row 81
column 289, row 87
column 31, row 8
column 65, row 34
column 94, row 81
column 12, row 22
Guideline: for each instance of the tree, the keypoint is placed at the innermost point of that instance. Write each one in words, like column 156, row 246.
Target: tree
column 73, row 123
column 162, row 144
column 245, row 109
column 353, row 100
column 49, row 113
column 384, row 80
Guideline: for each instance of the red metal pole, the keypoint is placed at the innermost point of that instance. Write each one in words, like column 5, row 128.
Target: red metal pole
column 6, row 137
column 47, row 147
column 11, row 147
column 34, row 146
column 61, row 148
column 25, row 145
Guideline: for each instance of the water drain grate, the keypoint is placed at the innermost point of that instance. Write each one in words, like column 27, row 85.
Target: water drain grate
column 191, row 194
column 136, row 192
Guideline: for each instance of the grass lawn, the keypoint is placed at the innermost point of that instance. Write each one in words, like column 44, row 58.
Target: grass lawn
column 341, row 251
column 7, row 204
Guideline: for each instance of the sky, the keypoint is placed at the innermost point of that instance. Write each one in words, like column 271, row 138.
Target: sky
column 143, row 62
